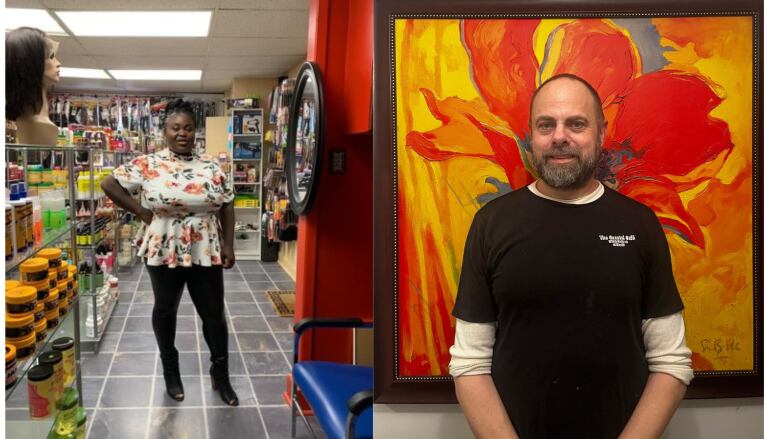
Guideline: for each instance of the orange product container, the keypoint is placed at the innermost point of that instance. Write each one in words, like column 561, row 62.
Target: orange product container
column 52, row 302
column 33, row 270
column 52, row 318
column 40, row 330
column 52, row 255
column 39, row 313
column 42, row 288
column 19, row 325
column 25, row 346
column 21, row 300
column 62, row 271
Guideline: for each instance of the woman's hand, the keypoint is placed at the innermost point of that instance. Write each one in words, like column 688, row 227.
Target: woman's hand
column 146, row 216
column 228, row 257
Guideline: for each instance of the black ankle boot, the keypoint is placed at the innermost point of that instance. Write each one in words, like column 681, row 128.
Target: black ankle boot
column 221, row 381
column 172, row 376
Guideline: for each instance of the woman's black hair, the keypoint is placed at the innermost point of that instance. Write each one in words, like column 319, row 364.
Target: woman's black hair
column 26, row 50
column 180, row 106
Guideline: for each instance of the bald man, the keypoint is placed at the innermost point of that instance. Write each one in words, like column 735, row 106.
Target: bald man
column 568, row 318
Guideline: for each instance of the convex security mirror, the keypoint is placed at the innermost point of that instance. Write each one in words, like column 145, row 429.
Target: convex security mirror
column 304, row 139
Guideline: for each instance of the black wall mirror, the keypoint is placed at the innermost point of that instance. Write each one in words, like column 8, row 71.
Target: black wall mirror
column 304, row 139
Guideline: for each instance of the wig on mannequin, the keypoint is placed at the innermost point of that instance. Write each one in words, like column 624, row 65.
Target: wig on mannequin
column 26, row 51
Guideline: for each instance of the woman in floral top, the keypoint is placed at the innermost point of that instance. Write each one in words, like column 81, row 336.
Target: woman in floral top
column 187, row 210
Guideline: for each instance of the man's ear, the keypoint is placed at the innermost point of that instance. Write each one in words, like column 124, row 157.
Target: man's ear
column 602, row 132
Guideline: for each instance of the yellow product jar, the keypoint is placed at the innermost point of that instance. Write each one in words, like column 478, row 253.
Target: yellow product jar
column 52, row 255
column 63, row 305
column 11, row 284
column 43, row 290
column 19, row 325
column 53, row 278
column 39, row 313
column 66, row 346
column 62, row 271
column 34, row 270
column 62, row 286
column 51, row 302
column 54, row 359
column 40, row 330
column 10, row 366
column 21, row 300
column 69, row 281
column 40, row 391
column 25, row 346
column 52, row 318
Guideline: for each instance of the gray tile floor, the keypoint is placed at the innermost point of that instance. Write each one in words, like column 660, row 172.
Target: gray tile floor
column 123, row 387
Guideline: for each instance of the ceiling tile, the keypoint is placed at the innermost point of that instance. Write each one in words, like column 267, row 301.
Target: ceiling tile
column 299, row 5
column 25, row 4
column 257, row 62
column 145, row 46
column 79, row 61
column 161, row 86
column 257, row 46
column 261, row 24
column 137, row 5
column 70, row 84
column 69, row 46
column 151, row 62
column 220, row 85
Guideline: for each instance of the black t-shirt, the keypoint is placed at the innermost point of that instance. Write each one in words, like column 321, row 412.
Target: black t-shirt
column 569, row 286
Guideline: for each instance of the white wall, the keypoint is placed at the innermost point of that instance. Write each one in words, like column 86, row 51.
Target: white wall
column 711, row 419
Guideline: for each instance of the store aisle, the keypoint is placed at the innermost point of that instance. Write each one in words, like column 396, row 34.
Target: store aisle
column 125, row 392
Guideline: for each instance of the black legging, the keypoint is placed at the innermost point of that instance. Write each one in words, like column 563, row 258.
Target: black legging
column 207, row 291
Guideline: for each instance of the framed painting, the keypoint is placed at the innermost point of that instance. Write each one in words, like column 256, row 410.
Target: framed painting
column 681, row 87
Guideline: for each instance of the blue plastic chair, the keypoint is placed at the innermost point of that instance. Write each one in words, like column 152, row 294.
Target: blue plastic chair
column 340, row 395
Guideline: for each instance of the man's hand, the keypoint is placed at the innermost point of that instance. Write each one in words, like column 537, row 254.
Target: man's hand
column 146, row 216
column 228, row 257
column 483, row 408
column 656, row 407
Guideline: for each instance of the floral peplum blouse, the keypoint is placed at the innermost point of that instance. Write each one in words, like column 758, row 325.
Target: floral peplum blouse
column 185, row 193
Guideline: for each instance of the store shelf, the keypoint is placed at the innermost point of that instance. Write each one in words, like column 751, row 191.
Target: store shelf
column 18, row 423
column 248, row 135
column 247, row 231
column 49, row 238
column 246, row 208
column 91, row 343
column 21, row 147
column 247, row 184
column 248, row 160
column 63, row 329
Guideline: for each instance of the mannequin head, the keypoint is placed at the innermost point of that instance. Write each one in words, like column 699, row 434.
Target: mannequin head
column 31, row 68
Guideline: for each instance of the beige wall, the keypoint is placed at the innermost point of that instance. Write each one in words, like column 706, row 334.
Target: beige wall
column 293, row 72
column 216, row 134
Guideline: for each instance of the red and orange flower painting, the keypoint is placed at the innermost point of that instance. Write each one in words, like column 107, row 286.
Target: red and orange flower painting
column 678, row 97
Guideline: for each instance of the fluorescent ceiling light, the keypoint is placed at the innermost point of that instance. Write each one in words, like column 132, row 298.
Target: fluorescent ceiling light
column 37, row 18
column 137, row 23
column 70, row 72
column 157, row 75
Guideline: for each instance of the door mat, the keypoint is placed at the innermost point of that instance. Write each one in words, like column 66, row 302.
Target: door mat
column 283, row 301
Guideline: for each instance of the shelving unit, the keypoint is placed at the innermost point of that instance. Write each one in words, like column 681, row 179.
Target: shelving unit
column 68, row 324
column 245, row 134
column 93, row 342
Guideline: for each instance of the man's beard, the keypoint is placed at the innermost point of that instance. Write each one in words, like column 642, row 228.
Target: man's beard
column 573, row 175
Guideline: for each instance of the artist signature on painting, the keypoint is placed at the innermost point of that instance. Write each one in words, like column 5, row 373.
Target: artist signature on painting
column 720, row 346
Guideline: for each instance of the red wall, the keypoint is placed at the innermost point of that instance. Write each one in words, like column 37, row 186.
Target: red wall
column 334, row 266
